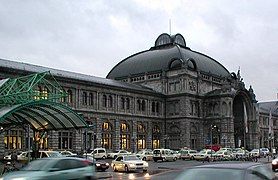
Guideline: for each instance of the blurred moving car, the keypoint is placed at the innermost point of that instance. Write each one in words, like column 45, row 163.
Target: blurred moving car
column 129, row 163
column 228, row 171
column 145, row 155
column 55, row 168
column 163, row 155
column 116, row 153
column 188, row 154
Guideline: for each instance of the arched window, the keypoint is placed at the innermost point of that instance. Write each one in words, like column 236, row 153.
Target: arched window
column 125, row 136
column 176, row 64
column 127, row 103
column 156, row 137
column 107, row 134
column 122, row 103
column 84, row 98
column 153, row 106
column 139, row 105
column 141, row 136
column 104, row 101
column 143, row 105
column 110, row 101
column 69, row 92
column 44, row 93
column 191, row 64
column 38, row 93
column 157, row 107
column 91, row 99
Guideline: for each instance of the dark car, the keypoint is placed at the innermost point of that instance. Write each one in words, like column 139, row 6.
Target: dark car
column 228, row 171
column 101, row 165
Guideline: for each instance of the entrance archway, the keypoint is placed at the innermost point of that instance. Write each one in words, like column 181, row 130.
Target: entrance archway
column 240, row 114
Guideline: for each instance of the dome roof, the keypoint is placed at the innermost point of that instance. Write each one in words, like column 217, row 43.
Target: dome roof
column 169, row 52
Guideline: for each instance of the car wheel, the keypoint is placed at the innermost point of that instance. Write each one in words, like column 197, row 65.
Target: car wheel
column 114, row 168
column 144, row 170
column 103, row 157
column 115, row 156
column 126, row 168
column 144, row 159
column 155, row 160
column 175, row 158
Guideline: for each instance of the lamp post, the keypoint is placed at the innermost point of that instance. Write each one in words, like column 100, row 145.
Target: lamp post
column 211, row 138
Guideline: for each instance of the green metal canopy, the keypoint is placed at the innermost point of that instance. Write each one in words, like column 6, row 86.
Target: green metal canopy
column 22, row 102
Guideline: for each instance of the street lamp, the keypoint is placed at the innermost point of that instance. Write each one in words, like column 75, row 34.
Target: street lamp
column 211, row 128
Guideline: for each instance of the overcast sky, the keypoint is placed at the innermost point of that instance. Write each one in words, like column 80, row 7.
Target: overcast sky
column 92, row 36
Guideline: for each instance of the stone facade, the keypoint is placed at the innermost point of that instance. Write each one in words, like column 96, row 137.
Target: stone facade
column 180, row 107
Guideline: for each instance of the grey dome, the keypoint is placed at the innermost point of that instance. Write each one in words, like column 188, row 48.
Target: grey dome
column 159, row 58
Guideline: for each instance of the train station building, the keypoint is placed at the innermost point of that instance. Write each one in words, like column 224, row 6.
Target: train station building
column 167, row 96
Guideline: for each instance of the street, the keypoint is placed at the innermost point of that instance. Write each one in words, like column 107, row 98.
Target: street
column 161, row 170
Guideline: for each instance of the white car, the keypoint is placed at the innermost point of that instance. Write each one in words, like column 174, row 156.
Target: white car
column 98, row 153
column 145, row 155
column 129, row 163
column 204, row 154
column 223, row 155
column 188, row 154
column 255, row 153
column 116, row 153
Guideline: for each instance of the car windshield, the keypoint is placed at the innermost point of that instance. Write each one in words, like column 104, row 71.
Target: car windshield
column 116, row 151
column 211, row 174
column 255, row 150
column 37, row 165
column 219, row 152
column 131, row 158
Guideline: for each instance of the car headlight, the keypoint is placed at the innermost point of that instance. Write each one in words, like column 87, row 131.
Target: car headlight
column 274, row 162
column 97, row 164
column 132, row 165
column 107, row 164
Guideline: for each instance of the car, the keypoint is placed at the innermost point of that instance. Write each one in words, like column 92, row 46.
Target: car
column 226, row 149
column 116, row 153
column 241, row 153
column 55, row 168
column 204, row 154
column 98, row 153
column 188, row 154
column 177, row 154
column 255, row 153
column 145, row 155
column 67, row 153
column 227, row 171
column 163, row 155
column 101, row 165
column 129, row 163
column 274, row 164
column 223, row 155
column 264, row 151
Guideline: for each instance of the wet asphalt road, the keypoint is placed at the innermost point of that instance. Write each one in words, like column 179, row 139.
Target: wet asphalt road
column 159, row 170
